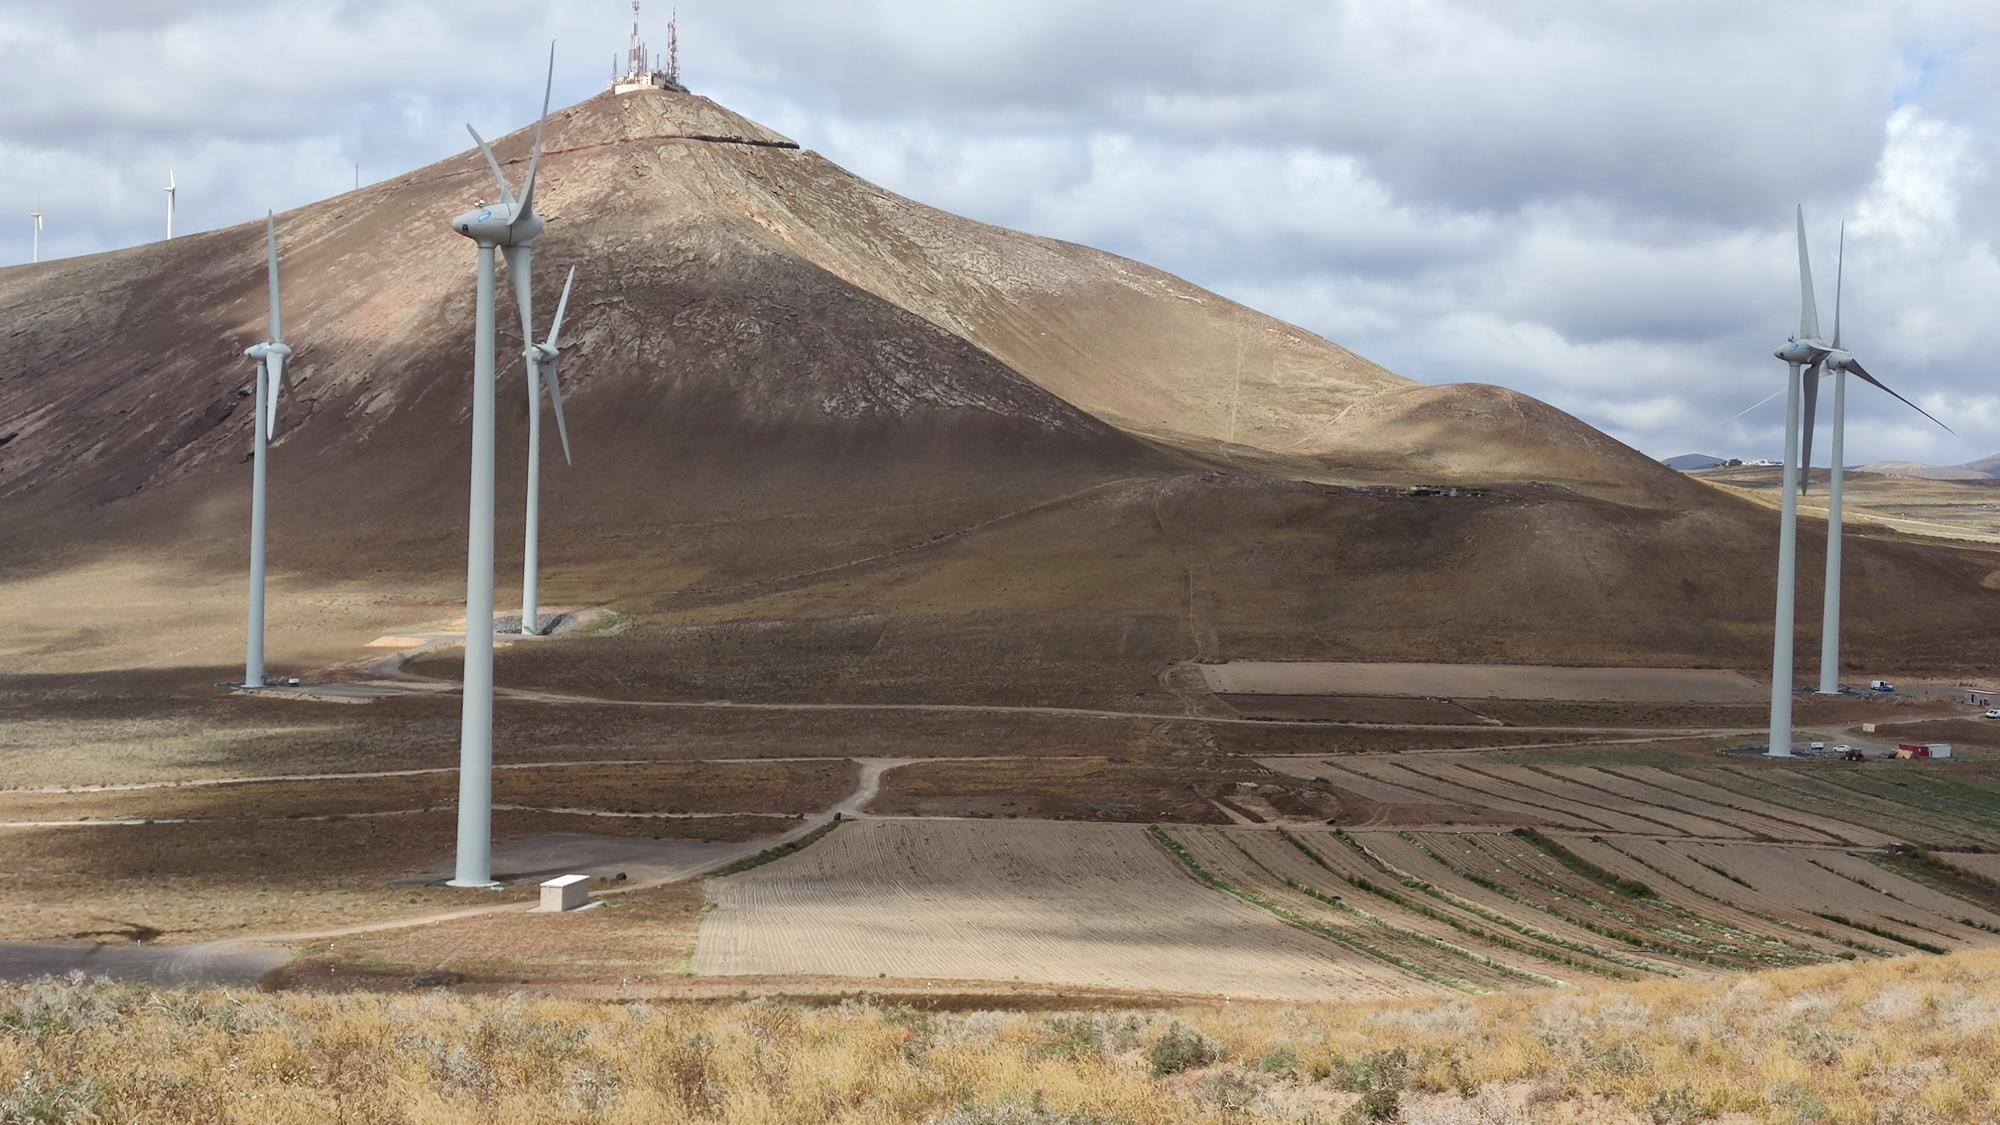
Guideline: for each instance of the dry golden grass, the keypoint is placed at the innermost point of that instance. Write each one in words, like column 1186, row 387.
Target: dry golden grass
column 1907, row 1041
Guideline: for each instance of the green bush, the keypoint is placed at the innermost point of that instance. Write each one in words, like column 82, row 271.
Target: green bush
column 1279, row 1060
column 1376, row 1105
column 1181, row 1048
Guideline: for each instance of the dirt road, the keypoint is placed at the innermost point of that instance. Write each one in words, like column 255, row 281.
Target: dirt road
column 245, row 960
column 167, row 966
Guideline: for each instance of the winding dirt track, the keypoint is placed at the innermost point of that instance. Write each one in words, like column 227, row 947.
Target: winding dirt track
column 244, row 960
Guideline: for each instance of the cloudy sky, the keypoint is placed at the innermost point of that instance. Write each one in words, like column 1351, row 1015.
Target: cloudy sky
column 1588, row 201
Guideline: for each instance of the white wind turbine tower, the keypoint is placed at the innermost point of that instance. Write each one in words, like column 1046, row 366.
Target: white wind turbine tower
column 1802, row 354
column 36, row 254
column 541, row 361
column 271, row 381
column 171, row 192
column 514, row 225
column 1839, row 361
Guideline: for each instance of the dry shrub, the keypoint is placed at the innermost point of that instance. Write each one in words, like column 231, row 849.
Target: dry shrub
column 1910, row 1041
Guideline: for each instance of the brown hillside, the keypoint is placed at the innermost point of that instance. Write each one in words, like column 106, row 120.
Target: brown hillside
column 832, row 442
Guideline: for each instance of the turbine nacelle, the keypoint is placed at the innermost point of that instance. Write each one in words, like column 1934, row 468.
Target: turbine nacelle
column 1801, row 352
column 262, row 352
column 498, row 225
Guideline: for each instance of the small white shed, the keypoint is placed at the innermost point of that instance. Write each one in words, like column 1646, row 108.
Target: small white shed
column 564, row 892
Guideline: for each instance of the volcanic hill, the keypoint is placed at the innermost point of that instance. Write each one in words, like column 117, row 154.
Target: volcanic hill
column 831, row 443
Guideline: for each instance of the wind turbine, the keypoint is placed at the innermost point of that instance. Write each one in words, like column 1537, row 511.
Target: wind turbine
column 271, row 381
column 1802, row 353
column 512, row 224
column 171, row 192
column 541, row 359
column 36, row 214
column 1840, row 362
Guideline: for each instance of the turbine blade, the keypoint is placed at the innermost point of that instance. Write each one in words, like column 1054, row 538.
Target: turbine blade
column 271, row 244
column 562, row 306
column 555, row 396
column 1808, row 308
column 535, row 161
column 520, row 266
column 1855, row 366
column 1839, row 268
column 1811, row 388
column 1733, row 417
column 274, row 379
column 506, row 193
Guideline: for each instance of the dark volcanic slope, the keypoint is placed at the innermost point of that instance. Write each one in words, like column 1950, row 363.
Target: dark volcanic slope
column 832, row 442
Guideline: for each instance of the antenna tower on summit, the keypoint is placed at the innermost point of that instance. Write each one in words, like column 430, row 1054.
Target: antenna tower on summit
column 635, row 59
column 640, row 76
column 673, row 48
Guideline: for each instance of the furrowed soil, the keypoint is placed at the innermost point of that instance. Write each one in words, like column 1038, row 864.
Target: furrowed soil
column 1083, row 789
column 1098, row 905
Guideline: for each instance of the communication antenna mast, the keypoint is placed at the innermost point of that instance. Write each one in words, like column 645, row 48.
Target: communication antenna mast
column 635, row 59
column 674, row 48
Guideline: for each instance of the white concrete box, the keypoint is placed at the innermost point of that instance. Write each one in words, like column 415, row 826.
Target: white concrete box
column 565, row 892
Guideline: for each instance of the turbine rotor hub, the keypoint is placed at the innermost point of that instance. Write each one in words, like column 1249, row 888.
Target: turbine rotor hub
column 499, row 226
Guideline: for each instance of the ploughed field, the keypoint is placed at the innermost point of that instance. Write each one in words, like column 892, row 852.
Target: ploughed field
column 1462, row 873
column 1306, row 913
column 1831, row 804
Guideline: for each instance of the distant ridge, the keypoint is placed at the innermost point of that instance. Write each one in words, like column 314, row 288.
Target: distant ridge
column 1689, row 462
column 1977, row 470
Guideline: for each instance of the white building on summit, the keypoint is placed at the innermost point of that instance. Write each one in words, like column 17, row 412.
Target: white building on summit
column 637, row 75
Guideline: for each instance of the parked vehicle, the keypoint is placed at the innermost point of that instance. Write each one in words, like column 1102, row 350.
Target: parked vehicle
column 1993, row 713
column 1850, row 754
column 1818, row 746
column 1881, row 685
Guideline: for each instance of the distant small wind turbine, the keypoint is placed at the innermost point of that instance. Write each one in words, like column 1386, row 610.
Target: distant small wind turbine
column 542, row 359
column 1839, row 361
column 271, row 382
column 171, row 192
column 512, row 224
column 36, row 254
